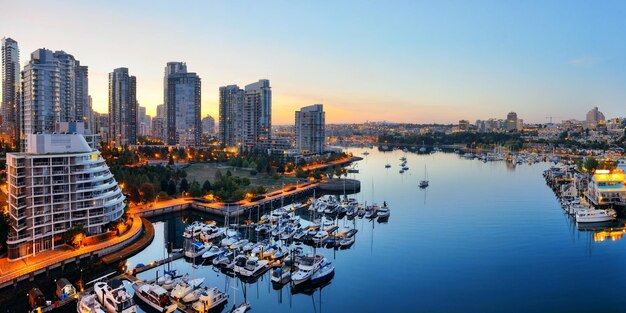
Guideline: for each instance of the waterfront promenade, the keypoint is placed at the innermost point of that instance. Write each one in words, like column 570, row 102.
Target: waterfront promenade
column 11, row 272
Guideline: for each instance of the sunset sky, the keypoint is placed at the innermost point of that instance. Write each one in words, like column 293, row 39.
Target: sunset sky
column 403, row 61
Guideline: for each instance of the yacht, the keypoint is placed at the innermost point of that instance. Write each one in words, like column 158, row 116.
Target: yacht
column 320, row 237
column 212, row 252
column 387, row 165
column 240, row 308
column 194, row 295
column 192, row 230
column 423, row 184
column 170, row 283
column 307, row 265
column 346, row 241
column 383, row 212
column 89, row 304
column 154, row 296
column 251, row 267
column 168, row 276
column 324, row 273
column 183, row 288
column 114, row 298
column 281, row 275
column 196, row 249
column 209, row 300
column 595, row 216
column 223, row 259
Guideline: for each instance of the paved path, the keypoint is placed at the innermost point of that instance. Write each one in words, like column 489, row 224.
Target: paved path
column 11, row 270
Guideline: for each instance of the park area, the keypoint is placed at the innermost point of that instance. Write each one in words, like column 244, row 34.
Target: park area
column 206, row 171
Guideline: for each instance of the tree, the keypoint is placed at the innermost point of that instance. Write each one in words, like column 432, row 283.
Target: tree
column 591, row 164
column 133, row 194
column 195, row 190
column 206, row 186
column 164, row 182
column 147, row 192
column 171, row 160
column 184, row 185
column 162, row 196
column 74, row 236
column 171, row 187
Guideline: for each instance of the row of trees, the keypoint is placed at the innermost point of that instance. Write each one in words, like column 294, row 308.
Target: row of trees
column 470, row 139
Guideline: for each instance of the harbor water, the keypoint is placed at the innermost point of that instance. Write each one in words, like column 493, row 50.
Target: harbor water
column 483, row 237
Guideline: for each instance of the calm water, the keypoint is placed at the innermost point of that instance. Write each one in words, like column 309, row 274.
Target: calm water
column 483, row 237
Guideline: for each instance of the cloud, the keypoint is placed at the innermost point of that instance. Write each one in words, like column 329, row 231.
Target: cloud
column 584, row 61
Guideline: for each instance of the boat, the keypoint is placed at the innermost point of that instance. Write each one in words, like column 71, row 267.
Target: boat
column 238, row 244
column 424, row 183
column 387, row 165
column 383, row 212
column 212, row 252
column 324, row 273
column 194, row 295
column 370, row 212
column 89, row 304
column 401, row 171
column 170, row 283
column 346, row 242
column 184, row 288
column 595, row 216
column 366, row 153
column 114, row 298
column 209, row 299
column 192, row 230
column 307, row 265
column 251, row 267
column 154, row 296
column 223, row 259
column 196, row 249
column 320, row 237
column 281, row 275
column 169, row 275
column 240, row 308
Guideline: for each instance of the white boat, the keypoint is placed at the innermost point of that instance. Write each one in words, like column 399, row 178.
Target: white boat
column 183, row 288
column 212, row 252
column 240, row 308
column 114, row 299
column 324, row 273
column 383, row 212
column 209, row 300
column 196, row 249
column 238, row 244
column 170, row 283
column 347, row 241
column 192, row 230
column 281, row 275
column 595, row 216
column 320, row 237
column 194, row 295
column 168, row 276
column 307, row 265
column 154, row 296
column 251, row 267
column 424, row 182
column 223, row 259
column 89, row 304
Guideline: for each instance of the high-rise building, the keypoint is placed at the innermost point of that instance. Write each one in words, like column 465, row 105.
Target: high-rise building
column 41, row 79
column 511, row 121
column 231, row 116
column 463, row 125
column 182, row 106
column 208, row 125
column 257, row 113
column 160, row 111
column 10, row 87
column 594, row 116
column 158, row 127
column 60, row 181
column 311, row 129
column 101, row 126
column 82, row 112
column 122, row 108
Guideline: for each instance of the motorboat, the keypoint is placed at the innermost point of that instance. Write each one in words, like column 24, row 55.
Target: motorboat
column 183, row 288
column 114, row 298
column 595, row 216
column 89, row 304
column 169, row 275
column 155, row 296
column 370, row 212
column 223, row 259
column 196, row 249
column 281, row 275
column 324, row 273
column 299, row 235
column 307, row 265
column 238, row 244
column 387, row 165
column 240, row 308
column 383, row 212
column 252, row 267
column 170, row 283
column 423, row 184
column 346, row 241
column 212, row 252
column 208, row 300
column 248, row 247
column 320, row 237
column 193, row 230
column 288, row 233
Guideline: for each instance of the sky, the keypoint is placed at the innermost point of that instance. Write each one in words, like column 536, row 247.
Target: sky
column 401, row 61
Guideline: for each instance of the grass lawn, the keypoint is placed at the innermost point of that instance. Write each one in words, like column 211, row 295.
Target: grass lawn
column 203, row 171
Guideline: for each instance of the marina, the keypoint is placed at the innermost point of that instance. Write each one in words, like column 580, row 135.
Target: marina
column 430, row 239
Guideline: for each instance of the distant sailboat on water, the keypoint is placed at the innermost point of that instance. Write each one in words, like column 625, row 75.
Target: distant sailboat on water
column 424, row 183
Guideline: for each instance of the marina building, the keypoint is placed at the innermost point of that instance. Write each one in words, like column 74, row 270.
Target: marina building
column 58, row 182
column 607, row 188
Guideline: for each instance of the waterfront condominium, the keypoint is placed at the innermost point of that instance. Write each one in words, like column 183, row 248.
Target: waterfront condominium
column 58, row 182
column 182, row 101
column 310, row 129
column 257, row 114
column 230, row 116
column 10, row 87
column 122, row 108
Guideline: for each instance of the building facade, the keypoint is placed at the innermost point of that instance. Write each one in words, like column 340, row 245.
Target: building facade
column 230, row 116
column 257, row 114
column 10, row 87
column 594, row 116
column 60, row 181
column 208, row 125
column 41, row 81
column 183, row 109
column 311, row 129
column 511, row 121
column 122, row 108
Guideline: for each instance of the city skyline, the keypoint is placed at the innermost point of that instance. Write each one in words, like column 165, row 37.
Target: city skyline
column 443, row 62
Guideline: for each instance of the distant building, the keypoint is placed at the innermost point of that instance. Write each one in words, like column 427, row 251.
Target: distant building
column 511, row 121
column 208, row 125
column 144, row 122
column 122, row 108
column 101, row 126
column 182, row 103
column 158, row 127
column 161, row 111
column 594, row 117
column 231, row 116
column 464, row 125
column 311, row 129
column 10, row 87
column 50, row 193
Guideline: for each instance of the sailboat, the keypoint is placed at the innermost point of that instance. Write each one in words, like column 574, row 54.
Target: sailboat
column 424, row 183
